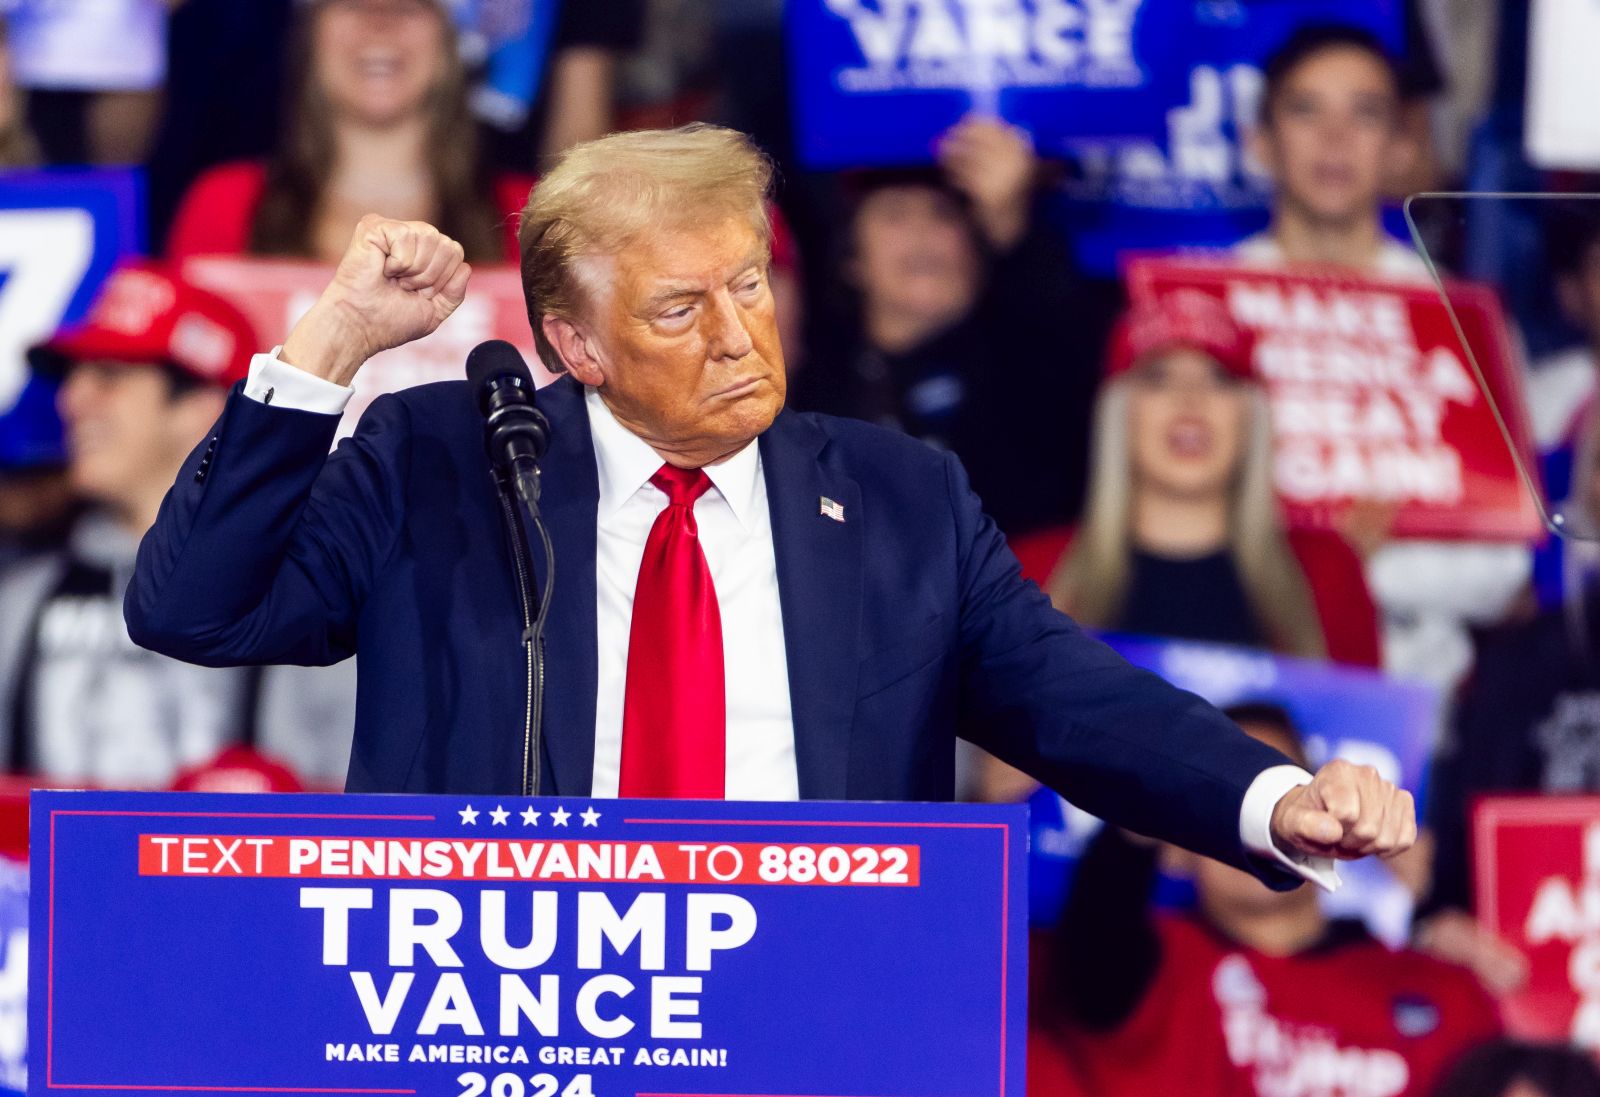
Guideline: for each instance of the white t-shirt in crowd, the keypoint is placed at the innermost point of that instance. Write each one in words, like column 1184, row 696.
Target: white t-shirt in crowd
column 1395, row 260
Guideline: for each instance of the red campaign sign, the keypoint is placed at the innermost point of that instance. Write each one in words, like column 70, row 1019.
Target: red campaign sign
column 1373, row 397
column 1536, row 881
column 275, row 293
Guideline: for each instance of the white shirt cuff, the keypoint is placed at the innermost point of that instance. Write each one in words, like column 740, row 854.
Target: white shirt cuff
column 274, row 381
column 1255, row 825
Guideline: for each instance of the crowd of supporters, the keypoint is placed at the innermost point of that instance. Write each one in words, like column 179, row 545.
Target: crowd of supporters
column 1125, row 450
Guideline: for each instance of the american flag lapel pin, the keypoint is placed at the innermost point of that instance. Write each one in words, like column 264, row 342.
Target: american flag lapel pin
column 833, row 510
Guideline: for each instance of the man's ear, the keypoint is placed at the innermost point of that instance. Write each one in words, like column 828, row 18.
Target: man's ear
column 576, row 350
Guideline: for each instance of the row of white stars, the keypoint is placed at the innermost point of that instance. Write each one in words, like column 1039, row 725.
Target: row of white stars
column 497, row 817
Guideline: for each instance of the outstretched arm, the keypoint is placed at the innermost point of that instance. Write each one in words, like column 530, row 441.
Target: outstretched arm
column 1126, row 746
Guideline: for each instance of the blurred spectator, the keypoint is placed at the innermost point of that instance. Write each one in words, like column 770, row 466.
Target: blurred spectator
column 547, row 78
column 36, row 499
column 18, row 149
column 1512, row 1068
column 225, row 96
column 145, row 378
column 1422, row 81
column 1255, row 992
column 1181, row 536
column 1329, row 131
column 380, row 124
column 1528, row 720
column 534, row 95
column 94, row 72
column 1561, row 401
column 959, row 328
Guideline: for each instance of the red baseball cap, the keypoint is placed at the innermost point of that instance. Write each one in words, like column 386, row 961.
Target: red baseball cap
column 238, row 769
column 1187, row 318
column 145, row 313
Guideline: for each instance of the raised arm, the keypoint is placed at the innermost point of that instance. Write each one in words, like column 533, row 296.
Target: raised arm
column 265, row 546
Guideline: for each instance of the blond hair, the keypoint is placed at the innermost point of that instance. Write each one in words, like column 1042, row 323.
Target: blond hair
column 604, row 193
column 1091, row 583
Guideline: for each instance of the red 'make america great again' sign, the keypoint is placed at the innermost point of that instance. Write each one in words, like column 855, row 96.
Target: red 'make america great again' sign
column 1536, row 883
column 1373, row 397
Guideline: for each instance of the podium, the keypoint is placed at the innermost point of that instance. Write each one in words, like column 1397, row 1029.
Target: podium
column 490, row 946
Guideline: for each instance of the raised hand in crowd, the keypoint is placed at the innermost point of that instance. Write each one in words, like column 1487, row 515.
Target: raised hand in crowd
column 398, row 281
column 993, row 164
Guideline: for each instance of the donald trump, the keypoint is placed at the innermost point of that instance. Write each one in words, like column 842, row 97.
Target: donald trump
column 753, row 603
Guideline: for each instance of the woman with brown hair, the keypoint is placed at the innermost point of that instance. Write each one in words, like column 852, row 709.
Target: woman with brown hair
column 1181, row 535
column 378, row 121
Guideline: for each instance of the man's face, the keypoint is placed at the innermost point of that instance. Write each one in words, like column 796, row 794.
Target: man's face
column 915, row 253
column 126, row 433
column 684, row 339
column 1328, row 134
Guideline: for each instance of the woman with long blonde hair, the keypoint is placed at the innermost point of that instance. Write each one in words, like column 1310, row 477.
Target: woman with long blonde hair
column 1181, row 534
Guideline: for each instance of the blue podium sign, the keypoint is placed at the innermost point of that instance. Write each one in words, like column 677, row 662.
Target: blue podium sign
column 476, row 946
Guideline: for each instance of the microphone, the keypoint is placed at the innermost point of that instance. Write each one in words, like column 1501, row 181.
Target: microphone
column 515, row 432
column 515, row 435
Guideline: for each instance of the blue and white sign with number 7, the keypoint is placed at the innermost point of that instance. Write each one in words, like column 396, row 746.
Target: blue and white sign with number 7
column 60, row 235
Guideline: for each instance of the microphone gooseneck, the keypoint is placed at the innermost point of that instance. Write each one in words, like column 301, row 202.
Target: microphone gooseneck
column 515, row 436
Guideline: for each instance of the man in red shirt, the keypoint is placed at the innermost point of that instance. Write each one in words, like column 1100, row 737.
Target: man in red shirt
column 1255, row 994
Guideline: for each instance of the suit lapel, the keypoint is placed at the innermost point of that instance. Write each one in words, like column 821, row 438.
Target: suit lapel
column 569, row 497
column 819, row 588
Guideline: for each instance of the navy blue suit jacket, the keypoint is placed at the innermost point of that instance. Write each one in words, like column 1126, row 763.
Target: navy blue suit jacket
column 906, row 625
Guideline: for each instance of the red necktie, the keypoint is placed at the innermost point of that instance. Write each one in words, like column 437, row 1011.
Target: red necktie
column 674, row 718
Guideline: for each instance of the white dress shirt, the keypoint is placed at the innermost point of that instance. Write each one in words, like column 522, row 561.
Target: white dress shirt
column 736, row 536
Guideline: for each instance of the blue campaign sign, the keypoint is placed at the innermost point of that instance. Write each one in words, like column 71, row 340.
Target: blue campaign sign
column 1150, row 100
column 1340, row 712
column 471, row 946
column 60, row 234
column 875, row 81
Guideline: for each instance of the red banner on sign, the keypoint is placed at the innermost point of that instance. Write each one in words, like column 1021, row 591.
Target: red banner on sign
column 1536, row 869
column 310, row 857
column 1373, row 397
column 275, row 293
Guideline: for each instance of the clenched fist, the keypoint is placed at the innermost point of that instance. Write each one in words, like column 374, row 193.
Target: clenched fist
column 1347, row 811
column 397, row 281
